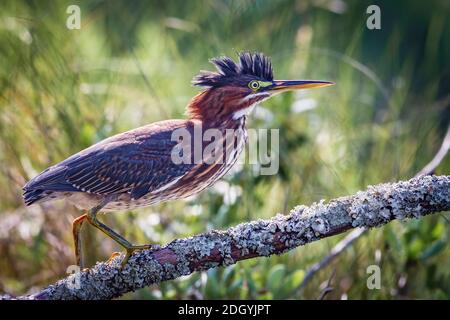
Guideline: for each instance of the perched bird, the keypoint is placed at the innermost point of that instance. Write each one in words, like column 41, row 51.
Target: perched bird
column 137, row 168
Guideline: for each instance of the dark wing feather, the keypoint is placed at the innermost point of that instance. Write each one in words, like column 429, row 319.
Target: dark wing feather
column 137, row 162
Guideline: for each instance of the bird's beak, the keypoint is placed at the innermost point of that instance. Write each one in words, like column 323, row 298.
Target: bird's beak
column 286, row 85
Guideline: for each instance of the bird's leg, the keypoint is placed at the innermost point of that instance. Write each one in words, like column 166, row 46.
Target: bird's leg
column 76, row 227
column 130, row 248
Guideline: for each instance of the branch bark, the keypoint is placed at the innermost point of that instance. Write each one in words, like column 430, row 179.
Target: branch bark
column 373, row 207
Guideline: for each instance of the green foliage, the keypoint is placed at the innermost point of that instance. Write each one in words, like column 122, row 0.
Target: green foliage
column 131, row 63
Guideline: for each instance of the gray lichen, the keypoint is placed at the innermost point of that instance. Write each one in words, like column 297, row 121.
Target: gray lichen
column 371, row 208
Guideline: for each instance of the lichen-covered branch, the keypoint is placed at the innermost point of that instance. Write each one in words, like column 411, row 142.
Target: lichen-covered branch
column 374, row 207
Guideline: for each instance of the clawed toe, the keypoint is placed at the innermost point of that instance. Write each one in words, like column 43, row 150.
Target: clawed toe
column 131, row 249
column 113, row 255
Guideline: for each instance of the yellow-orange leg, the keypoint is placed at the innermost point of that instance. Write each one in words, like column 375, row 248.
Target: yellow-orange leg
column 76, row 227
column 92, row 219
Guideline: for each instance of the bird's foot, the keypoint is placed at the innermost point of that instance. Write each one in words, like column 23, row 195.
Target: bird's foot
column 130, row 250
column 113, row 255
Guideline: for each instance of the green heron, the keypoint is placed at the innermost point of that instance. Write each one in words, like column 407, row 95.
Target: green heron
column 136, row 168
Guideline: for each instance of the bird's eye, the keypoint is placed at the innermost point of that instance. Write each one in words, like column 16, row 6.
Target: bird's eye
column 254, row 85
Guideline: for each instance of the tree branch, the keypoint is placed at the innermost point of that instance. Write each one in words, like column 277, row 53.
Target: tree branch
column 374, row 207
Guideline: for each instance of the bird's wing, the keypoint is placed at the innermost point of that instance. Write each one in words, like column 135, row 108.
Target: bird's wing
column 137, row 162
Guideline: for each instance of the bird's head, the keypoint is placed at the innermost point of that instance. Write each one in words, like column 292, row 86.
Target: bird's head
column 236, row 87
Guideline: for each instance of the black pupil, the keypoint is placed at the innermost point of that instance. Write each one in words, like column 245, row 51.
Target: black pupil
column 255, row 85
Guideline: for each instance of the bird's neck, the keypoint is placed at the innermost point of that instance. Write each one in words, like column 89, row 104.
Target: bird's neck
column 216, row 108
column 225, row 124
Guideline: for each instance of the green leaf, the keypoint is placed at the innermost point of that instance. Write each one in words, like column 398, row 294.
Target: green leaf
column 296, row 278
column 250, row 282
column 228, row 274
column 438, row 230
column 235, row 286
column 275, row 277
column 433, row 249
column 212, row 287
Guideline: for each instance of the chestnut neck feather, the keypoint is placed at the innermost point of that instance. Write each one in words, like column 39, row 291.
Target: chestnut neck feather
column 216, row 106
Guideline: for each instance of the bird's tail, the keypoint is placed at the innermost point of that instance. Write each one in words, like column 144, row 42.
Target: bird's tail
column 31, row 196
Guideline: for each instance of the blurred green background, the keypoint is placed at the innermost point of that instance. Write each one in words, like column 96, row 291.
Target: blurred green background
column 131, row 63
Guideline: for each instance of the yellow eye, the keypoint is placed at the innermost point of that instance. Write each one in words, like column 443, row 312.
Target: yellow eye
column 254, row 85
